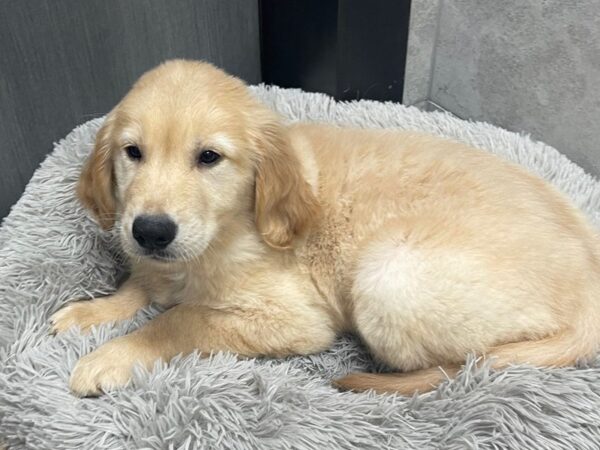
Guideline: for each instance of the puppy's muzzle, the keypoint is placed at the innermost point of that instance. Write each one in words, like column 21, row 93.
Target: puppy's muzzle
column 154, row 232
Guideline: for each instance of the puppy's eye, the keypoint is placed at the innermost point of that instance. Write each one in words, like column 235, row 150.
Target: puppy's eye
column 133, row 152
column 208, row 157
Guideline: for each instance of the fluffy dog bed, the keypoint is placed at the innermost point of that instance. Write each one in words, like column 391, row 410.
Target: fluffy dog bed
column 51, row 252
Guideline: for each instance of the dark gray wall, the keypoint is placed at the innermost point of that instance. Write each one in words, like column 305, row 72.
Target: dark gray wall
column 67, row 61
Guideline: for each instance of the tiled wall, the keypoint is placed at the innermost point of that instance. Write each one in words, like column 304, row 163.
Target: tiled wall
column 531, row 66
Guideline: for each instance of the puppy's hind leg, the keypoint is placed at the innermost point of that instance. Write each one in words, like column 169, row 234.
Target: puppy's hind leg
column 396, row 306
column 409, row 309
column 560, row 350
column 418, row 310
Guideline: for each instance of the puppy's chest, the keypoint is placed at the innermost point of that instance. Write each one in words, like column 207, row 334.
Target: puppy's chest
column 166, row 287
column 178, row 288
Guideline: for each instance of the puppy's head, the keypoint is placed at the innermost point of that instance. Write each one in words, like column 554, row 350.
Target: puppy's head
column 184, row 155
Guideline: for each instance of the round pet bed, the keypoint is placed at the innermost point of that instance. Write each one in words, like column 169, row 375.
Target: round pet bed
column 51, row 252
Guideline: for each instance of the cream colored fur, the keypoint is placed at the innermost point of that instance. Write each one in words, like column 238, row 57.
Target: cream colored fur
column 426, row 248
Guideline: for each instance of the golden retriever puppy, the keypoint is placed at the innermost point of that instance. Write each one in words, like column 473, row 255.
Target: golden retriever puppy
column 271, row 239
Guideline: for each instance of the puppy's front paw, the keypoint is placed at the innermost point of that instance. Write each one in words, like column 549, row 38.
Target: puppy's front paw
column 109, row 367
column 83, row 314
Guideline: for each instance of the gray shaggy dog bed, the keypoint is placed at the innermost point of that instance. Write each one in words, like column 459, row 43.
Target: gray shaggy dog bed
column 51, row 252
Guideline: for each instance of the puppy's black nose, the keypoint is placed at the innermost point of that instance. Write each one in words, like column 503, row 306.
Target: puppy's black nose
column 154, row 232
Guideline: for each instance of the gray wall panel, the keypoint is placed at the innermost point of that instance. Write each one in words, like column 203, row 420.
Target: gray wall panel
column 424, row 16
column 526, row 65
column 66, row 61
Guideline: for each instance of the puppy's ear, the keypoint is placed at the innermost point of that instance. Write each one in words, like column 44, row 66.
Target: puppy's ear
column 95, row 187
column 285, row 205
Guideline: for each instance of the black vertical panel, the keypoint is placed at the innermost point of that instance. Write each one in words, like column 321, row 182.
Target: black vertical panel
column 67, row 61
column 372, row 41
column 350, row 49
column 298, row 43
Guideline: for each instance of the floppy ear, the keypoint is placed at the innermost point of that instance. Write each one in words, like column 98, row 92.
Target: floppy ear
column 284, row 204
column 95, row 187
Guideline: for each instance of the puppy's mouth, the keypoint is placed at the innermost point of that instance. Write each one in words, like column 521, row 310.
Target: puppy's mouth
column 160, row 256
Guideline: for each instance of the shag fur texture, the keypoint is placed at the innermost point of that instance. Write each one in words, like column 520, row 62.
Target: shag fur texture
column 51, row 252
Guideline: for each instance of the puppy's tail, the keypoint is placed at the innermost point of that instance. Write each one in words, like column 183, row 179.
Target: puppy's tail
column 560, row 350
